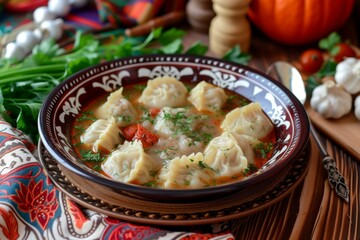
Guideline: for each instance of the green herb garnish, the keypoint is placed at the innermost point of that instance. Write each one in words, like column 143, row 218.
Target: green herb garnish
column 89, row 156
column 204, row 165
column 262, row 149
column 249, row 170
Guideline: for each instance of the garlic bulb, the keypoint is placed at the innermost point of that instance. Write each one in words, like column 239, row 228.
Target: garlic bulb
column 347, row 75
column 331, row 100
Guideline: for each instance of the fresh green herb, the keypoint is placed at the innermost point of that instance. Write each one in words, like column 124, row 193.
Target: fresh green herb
column 89, row 156
column 249, row 170
column 187, row 182
column 24, row 85
column 153, row 173
column 204, row 165
column 206, row 138
column 147, row 116
column 183, row 125
column 197, row 49
column 86, row 116
column 125, row 118
column 78, row 131
column 150, row 184
column 97, row 167
column 262, row 149
column 236, row 55
column 188, row 87
column 314, row 80
column 330, row 42
column 169, row 151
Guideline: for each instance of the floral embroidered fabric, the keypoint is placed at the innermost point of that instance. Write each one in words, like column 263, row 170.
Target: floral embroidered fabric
column 31, row 207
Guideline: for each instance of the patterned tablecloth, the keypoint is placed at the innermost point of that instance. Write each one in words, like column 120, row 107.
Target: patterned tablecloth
column 31, row 207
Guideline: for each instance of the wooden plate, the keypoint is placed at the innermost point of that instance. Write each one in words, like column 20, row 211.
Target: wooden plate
column 344, row 131
column 106, row 201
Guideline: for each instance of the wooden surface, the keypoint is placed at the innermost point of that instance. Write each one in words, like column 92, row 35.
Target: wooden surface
column 313, row 210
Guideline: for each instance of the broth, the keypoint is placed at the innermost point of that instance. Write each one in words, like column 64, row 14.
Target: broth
column 192, row 128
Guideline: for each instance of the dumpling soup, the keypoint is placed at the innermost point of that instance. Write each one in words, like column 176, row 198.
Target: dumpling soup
column 174, row 135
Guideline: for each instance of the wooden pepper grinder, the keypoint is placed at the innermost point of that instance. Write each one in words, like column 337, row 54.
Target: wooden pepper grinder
column 230, row 26
column 199, row 14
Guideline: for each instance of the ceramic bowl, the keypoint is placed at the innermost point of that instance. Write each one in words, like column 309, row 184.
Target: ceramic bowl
column 67, row 100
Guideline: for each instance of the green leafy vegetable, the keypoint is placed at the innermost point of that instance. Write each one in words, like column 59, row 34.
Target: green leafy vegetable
column 235, row 55
column 330, row 42
column 197, row 49
column 24, row 85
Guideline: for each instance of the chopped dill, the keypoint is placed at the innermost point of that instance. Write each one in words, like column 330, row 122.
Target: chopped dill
column 249, row 170
column 86, row 116
column 204, row 165
column 97, row 167
column 262, row 149
column 125, row 118
column 147, row 116
column 89, row 156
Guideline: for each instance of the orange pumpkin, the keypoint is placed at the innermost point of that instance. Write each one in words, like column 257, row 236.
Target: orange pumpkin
column 297, row 22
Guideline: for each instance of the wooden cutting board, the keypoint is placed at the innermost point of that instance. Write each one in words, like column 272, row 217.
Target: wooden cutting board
column 344, row 131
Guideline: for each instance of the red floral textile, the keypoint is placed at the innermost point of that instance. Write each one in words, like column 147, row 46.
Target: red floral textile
column 127, row 13
column 31, row 207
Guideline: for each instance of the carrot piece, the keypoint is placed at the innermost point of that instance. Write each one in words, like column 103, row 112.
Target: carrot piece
column 129, row 131
column 154, row 112
column 145, row 136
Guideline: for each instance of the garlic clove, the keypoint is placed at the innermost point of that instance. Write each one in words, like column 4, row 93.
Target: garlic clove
column 38, row 34
column 52, row 28
column 12, row 50
column 357, row 107
column 41, row 14
column 59, row 7
column 27, row 40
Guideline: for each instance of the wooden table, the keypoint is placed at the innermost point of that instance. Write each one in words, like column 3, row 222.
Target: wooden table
column 312, row 210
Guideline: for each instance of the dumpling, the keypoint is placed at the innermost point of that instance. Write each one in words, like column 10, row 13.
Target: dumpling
column 185, row 172
column 249, row 120
column 224, row 155
column 103, row 135
column 130, row 164
column 164, row 91
column 119, row 107
column 169, row 121
column 205, row 96
column 246, row 144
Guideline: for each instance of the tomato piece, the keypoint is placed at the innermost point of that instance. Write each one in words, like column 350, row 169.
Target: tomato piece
column 154, row 112
column 311, row 60
column 129, row 132
column 146, row 137
column 341, row 51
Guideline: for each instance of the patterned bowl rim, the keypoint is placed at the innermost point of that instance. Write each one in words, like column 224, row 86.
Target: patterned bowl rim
column 303, row 137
